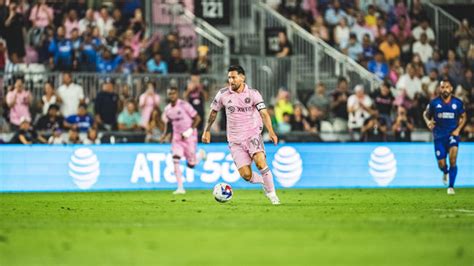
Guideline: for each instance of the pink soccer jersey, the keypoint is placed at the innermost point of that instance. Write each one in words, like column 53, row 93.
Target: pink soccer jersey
column 181, row 116
column 242, row 111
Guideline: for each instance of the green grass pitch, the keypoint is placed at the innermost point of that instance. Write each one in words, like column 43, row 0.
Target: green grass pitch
column 312, row 227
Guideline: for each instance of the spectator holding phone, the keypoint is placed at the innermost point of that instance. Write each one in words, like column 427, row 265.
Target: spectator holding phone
column 19, row 100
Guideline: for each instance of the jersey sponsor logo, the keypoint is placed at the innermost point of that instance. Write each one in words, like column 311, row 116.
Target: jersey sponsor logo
column 439, row 106
column 454, row 106
column 244, row 109
column 446, row 115
column 233, row 109
column 230, row 101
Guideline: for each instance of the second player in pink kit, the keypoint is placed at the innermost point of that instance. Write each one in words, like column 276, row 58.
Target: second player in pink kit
column 183, row 119
column 246, row 114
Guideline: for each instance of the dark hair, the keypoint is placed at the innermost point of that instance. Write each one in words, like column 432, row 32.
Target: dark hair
column 83, row 105
column 238, row 68
column 445, row 79
column 53, row 106
column 173, row 88
column 340, row 79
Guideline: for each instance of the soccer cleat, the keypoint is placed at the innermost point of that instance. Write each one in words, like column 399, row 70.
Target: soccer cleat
column 202, row 154
column 445, row 179
column 179, row 191
column 272, row 196
column 451, row 191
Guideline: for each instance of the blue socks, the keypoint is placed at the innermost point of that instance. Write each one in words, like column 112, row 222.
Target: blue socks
column 445, row 169
column 453, row 171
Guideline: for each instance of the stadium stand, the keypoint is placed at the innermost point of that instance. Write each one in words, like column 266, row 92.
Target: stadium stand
column 122, row 59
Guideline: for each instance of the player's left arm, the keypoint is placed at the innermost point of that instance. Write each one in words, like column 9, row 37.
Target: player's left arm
column 461, row 123
column 196, row 120
column 267, row 121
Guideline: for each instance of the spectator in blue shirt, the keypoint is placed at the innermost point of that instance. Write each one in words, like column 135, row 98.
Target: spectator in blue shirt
column 107, row 63
column 62, row 51
column 354, row 48
column 81, row 121
column 378, row 66
column 369, row 49
column 334, row 14
column 88, row 54
column 156, row 65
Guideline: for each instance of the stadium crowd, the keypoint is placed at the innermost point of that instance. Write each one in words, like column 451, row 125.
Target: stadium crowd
column 396, row 43
column 391, row 40
column 70, row 36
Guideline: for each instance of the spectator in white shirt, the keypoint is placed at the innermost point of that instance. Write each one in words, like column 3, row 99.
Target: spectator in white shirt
column 360, row 29
column 423, row 48
column 359, row 108
column 87, row 21
column 424, row 27
column 71, row 94
column 342, row 33
column 409, row 82
column 105, row 22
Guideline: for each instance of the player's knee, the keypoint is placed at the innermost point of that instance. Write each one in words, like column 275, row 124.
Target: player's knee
column 452, row 162
column 441, row 165
column 247, row 175
column 261, row 164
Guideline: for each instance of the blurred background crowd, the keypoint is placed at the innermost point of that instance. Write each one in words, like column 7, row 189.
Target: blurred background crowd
column 391, row 39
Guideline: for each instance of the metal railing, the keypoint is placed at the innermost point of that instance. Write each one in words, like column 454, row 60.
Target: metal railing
column 206, row 34
column 319, row 62
column 92, row 82
column 443, row 24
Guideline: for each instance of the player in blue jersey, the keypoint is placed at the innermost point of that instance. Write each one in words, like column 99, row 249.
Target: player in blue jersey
column 445, row 116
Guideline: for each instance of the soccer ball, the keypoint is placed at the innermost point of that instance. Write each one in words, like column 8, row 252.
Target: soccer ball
column 222, row 192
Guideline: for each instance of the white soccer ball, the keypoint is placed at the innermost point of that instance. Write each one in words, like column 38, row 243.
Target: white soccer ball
column 222, row 192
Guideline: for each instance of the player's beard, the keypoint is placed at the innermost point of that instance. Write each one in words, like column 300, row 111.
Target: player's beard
column 445, row 95
column 235, row 86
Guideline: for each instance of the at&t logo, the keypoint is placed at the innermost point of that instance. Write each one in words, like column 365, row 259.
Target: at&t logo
column 287, row 166
column 84, row 168
column 382, row 166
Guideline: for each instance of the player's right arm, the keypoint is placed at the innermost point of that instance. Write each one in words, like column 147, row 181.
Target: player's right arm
column 216, row 106
column 428, row 117
column 206, row 135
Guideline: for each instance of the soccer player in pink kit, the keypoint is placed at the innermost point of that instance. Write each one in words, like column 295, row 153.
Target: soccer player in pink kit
column 183, row 119
column 245, row 111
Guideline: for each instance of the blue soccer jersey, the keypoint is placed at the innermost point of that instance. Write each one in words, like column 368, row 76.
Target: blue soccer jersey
column 445, row 115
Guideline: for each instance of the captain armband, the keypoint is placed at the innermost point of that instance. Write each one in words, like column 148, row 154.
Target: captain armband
column 260, row 106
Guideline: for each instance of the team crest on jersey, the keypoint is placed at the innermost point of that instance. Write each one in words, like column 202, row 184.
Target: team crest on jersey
column 231, row 109
column 179, row 112
column 247, row 100
column 454, row 106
